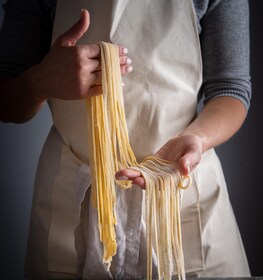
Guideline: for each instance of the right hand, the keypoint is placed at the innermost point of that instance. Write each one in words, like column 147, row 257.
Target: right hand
column 71, row 72
column 185, row 150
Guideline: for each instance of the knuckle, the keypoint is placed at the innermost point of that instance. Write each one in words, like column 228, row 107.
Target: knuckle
column 93, row 50
column 60, row 40
column 80, row 54
column 96, row 63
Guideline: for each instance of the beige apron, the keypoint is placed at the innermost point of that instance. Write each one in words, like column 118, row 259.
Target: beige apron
column 160, row 101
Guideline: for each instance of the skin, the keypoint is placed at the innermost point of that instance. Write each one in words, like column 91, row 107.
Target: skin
column 68, row 72
column 71, row 72
column 220, row 119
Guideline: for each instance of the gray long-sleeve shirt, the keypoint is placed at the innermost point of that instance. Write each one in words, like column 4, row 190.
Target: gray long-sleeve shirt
column 224, row 36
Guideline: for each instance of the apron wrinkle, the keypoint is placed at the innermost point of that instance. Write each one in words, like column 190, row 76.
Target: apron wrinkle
column 160, row 98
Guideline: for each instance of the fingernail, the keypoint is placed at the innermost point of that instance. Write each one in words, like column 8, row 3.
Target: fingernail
column 129, row 69
column 128, row 61
column 124, row 50
column 123, row 178
column 67, row 44
column 188, row 169
column 123, row 84
column 82, row 13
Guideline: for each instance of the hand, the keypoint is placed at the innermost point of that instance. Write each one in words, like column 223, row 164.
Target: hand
column 72, row 72
column 184, row 150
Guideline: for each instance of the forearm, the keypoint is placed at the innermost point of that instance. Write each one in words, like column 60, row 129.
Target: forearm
column 226, row 71
column 219, row 120
column 18, row 100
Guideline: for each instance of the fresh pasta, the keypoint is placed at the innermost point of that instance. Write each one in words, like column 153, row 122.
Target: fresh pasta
column 109, row 151
column 163, row 227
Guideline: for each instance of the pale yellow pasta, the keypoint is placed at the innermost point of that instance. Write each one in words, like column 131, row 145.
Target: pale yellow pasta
column 109, row 151
column 163, row 192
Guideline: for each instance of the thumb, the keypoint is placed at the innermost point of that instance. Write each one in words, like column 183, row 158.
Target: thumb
column 70, row 37
column 188, row 162
column 184, row 165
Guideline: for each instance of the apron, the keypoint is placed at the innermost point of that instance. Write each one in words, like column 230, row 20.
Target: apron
column 160, row 98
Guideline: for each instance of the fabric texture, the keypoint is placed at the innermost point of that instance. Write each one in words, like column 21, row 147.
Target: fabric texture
column 166, row 101
column 26, row 35
column 161, row 104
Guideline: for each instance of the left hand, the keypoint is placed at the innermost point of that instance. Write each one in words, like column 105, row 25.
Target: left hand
column 184, row 150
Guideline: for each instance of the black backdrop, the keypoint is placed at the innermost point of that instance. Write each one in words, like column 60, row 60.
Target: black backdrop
column 242, row 156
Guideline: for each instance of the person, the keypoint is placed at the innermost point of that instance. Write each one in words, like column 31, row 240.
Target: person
column 182, row 51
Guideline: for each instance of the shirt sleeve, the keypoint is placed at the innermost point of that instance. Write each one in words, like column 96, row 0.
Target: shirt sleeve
column 225, row 47
column 26, row 33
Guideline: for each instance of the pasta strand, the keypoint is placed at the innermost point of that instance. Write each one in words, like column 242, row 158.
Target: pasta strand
column 109, row 151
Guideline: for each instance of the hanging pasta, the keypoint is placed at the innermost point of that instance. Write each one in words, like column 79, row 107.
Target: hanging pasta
column 109, row 151
column 164, row 188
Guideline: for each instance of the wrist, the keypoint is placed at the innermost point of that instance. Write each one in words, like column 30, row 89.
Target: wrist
column 197, row 133
column 32, row 78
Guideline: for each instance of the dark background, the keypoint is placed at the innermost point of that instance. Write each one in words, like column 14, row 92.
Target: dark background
column 20, row 146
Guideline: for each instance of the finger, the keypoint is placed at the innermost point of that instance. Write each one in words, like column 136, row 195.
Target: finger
column 124, row 60
column 139, row 181
column 87, row 89
column 91, row 78
column 97, row 81
column 184, row 165
column 127, row 174
column 122, row 50
column 70, row 37
column 188, row 162
column 90, row 65
column 133, row 175
column 124, row 63
column 95, row 90
column 93, row 50
column 126, row 69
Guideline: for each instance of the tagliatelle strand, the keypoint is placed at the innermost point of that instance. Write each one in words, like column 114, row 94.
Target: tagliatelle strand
column 109, row 151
